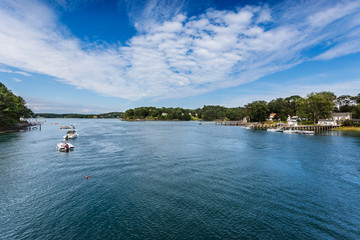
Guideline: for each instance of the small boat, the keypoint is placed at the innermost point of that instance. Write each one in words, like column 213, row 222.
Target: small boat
column 275, row 130
column 71, row 134
column 64, row 147
column 68, row 127
column 290, row 131
column 307, row 132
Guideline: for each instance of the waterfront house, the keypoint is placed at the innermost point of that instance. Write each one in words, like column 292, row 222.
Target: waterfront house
column 273, row 117
column 327, row 122
column 341, row 116
column 336, row 119
column 292, row 121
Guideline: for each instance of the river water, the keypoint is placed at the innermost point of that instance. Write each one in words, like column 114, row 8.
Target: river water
column 178, row 180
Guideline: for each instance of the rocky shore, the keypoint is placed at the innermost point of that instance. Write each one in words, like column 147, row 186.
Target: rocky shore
column 17, row 127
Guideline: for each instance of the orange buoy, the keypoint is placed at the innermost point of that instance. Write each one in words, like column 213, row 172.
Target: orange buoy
column 87, row 176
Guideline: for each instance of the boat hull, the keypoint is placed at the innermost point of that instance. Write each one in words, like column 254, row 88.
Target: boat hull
column 64, row 147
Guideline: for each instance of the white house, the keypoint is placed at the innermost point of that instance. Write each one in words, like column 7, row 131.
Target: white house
column 326, row 122
column 292, row 121
column 341, row 116
column 273, row 117
column 336, row 118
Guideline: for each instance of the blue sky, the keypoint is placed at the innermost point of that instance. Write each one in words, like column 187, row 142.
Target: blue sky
column 98, row 56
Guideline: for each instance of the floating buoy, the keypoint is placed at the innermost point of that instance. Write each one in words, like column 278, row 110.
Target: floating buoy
column 87, row 176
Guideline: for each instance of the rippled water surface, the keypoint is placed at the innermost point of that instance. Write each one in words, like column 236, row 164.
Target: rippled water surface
column 178, row 180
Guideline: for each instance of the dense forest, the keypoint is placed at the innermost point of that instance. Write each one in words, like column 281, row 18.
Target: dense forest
column 313, row 107
column 12, row 108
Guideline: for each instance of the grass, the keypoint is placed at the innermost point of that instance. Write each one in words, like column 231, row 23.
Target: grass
column 356, row 129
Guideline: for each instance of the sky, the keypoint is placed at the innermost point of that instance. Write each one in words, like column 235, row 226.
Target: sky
column 96, row 56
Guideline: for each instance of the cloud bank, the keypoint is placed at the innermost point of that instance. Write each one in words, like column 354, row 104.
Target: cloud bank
column 178, row 55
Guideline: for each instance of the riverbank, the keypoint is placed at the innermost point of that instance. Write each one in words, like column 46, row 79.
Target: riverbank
column 17, row 127
column 347, row 129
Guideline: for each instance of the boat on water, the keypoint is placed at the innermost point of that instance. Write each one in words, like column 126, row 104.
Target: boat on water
column 71, row 134
column 290, row 131
column 64, row 147
column 307, row 132
column 68, row 127
column 275, row 130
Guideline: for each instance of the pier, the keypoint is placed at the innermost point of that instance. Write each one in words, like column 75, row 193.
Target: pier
column 260, row 126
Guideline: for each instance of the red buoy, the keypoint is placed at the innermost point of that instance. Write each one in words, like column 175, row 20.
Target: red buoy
column 87, row 176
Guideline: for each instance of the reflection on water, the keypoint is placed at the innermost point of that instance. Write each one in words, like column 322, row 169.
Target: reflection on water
column 178, row 180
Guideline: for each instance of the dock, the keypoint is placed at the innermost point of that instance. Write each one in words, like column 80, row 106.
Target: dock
column 260, row 126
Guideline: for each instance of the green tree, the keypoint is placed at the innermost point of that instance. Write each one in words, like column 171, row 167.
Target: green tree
column 279, row 106
column 129, row 114
column 12, row 107
column 257, row 110
column 356, row 112
column 235, row 114
column 291, row 104
column 315, row 106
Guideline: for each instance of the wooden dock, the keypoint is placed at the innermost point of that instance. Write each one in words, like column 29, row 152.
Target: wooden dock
column 230, row 123
column 259, row 126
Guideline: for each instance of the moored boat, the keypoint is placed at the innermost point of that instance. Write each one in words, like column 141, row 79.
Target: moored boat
column 68, row 127
column 307, row 132
column 290, row 131
column 275, row 130
column 71, row 134
column 64, row 147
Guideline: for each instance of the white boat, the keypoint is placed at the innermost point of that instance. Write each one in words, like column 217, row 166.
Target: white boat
column 307, row 132
column 71, row 134
column 68, row 127
column 275, row 130
column 64, row 147
column 290, row 131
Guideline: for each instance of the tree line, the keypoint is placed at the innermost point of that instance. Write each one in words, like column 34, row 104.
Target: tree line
column 310, row 109
column 12, row 108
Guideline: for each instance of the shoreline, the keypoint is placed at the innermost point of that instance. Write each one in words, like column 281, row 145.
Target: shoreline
column 347, row 129
column 16, row 128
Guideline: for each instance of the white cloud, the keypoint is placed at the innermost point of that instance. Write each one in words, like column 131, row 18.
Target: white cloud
column 177, row 56
column 16, row 80
column 16, row 72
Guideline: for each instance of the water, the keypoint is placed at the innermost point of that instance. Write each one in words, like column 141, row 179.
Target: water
column 178, row 180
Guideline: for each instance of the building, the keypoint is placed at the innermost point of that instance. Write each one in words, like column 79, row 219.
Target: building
column 292, row 121
column 273, row 117
column 327, row 122
column 341, row 116
column 336, row 119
